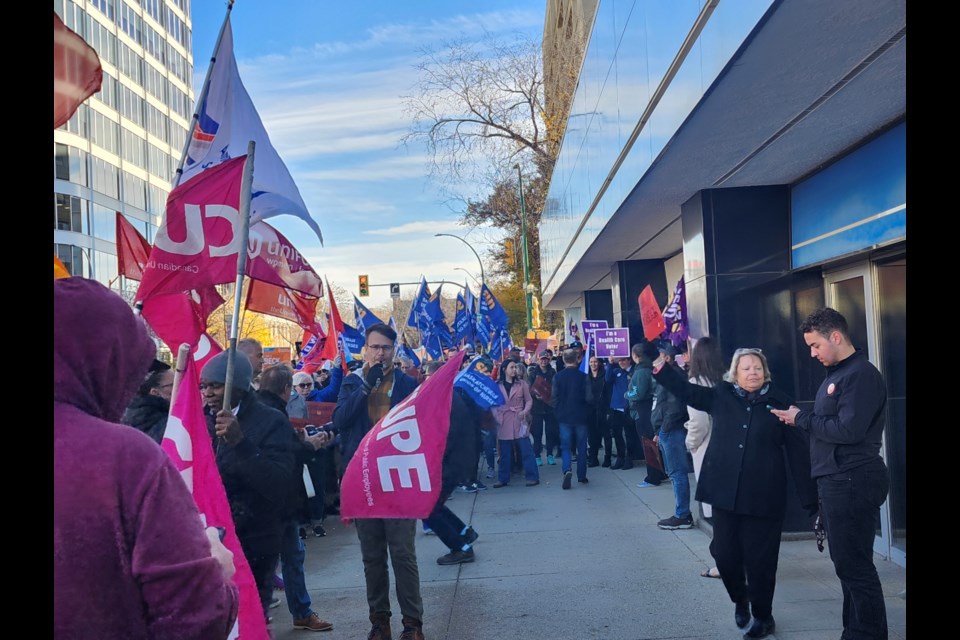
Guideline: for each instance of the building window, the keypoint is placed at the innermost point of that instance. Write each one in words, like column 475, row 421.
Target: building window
column 134, row 149
column 178, row 136
column 104, row 222
column 105, row 132
column 130, row 22
column 156, row 201
column 72, row 258
column 131, row 105
column 71, row 213
column 155, row 82
column 61, row 161
column 131, row 64
column 102, row 41
column 105, row 7
column 134, row 191
column 70, row 164
column 152, row 9
column 106, row 267
column 106, row 178
column 108, row 91
column 157, row 123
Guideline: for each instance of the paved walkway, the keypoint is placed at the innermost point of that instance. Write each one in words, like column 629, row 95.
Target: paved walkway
column 570, row 565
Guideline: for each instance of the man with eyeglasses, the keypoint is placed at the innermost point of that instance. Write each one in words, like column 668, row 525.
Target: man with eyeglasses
column 365, row 397
column 252, row 445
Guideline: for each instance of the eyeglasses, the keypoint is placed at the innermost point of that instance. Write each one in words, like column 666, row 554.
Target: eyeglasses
column 213, row 386
column 380, row 347
column 305, row 385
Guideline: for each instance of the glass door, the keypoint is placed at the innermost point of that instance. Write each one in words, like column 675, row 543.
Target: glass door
column 872, row 297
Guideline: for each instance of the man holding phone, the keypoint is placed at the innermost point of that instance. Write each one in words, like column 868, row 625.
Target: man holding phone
column 846, row 431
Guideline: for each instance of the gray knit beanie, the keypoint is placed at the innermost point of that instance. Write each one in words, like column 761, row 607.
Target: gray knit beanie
column 216, row 370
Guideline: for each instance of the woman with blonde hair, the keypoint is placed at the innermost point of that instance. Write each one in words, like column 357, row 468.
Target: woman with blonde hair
column 744, row 478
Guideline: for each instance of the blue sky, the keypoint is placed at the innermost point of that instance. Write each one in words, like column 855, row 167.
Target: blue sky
column 327, row 81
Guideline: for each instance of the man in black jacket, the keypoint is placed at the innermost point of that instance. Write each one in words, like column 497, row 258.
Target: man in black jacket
column 365, row 397
column 570, row 399
column 543, row 417
column 276, row 383
column 846, row 431
column 252, row 445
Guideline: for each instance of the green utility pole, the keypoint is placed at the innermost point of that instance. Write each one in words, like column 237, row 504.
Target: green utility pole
column 527, row 289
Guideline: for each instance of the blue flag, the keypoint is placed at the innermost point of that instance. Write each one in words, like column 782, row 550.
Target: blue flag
column 353, row 341
column 461, row 322
column 492, row 317
column 500, row 344
column 585, row 365
column 363, row 316
column 419, row 318
column 404, row 350
column 478, row 384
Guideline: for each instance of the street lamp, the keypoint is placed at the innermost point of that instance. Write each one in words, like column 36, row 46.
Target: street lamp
column 472, row 277
column 527, row 287
column 450, row 235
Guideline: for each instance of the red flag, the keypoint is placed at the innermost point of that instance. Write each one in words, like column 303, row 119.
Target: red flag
column 77, row 73
column 133, row 250
column 334, row 341
column 187, row 442
column 396, row 471
column 650, row 315
column 272, row 258
column 197, row 243
column 181, row 318
column 312, row 356
column 281, row 302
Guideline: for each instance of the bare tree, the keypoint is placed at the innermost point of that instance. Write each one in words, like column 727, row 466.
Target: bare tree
column 480, row 103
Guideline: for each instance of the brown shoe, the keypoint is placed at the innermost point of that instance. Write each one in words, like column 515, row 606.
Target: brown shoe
column 412, row 629
column 313, row 622
column 381, row 627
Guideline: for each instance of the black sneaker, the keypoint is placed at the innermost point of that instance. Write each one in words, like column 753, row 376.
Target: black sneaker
column 673, row 522
column 456, row 557
column 319, row 531
column 584, row 481
column 471, row 536
column 303, row 533
column 567, row 478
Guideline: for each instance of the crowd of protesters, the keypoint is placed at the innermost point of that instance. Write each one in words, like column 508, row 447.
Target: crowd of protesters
column 673, row 413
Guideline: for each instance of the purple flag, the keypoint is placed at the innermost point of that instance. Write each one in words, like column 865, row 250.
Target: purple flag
column 675, row 317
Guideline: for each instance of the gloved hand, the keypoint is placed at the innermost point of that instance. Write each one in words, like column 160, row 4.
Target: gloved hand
column 650, row 350
column 338, row 361
column 374, row 376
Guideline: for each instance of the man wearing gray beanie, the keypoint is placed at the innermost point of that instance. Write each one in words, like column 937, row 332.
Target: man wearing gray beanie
column 252, row 445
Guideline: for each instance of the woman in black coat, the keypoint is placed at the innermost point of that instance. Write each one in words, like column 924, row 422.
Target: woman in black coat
column 744, row 478
column 597, row 430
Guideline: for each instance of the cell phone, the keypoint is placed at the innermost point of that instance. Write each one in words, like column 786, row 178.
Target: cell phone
column 311, row 430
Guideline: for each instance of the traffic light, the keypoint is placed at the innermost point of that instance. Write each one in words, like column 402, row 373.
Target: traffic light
column 364, row 286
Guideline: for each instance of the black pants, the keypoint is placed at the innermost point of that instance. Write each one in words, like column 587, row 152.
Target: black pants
column 445, row 523
column 621, row 428
column 263, row 568
column 747, row 549
column 548, row 422
column 597, row 432
column 850, row 504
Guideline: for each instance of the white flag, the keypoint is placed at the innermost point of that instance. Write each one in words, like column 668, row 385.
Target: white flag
column 227, row 122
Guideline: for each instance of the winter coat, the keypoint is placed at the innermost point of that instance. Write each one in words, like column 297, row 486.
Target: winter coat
column 130, row 557
column 513, row 416
column 540, row 407
column 570, row 396
column 148, row 414
column 744, row 469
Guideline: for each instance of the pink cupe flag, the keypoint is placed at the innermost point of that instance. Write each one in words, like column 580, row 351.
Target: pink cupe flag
column 181, row 318
column 188, row 444
column 397, row 468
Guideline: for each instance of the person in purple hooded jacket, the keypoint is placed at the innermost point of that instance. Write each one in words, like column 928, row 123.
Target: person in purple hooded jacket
column 131, row 559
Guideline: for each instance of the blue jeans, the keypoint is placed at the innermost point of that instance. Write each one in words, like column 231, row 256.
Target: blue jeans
column 674, row 450
column 291, row 567
column 567, row 433
column 850, row 505
column 526, row 452
column 490, row 447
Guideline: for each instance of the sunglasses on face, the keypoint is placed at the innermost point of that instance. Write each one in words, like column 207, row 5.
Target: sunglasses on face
column 304, row 385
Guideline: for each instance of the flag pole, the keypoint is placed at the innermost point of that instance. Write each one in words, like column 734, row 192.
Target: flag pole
column 246, row 186
column 202, row 96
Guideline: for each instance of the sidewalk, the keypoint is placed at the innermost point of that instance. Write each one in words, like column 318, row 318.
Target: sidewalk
column 585, row 563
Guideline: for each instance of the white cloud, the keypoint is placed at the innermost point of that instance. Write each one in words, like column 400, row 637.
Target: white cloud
column 422, row 227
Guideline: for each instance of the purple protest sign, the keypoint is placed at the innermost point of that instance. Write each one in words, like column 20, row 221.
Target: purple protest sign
column 591, row 325
column 612, row 343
